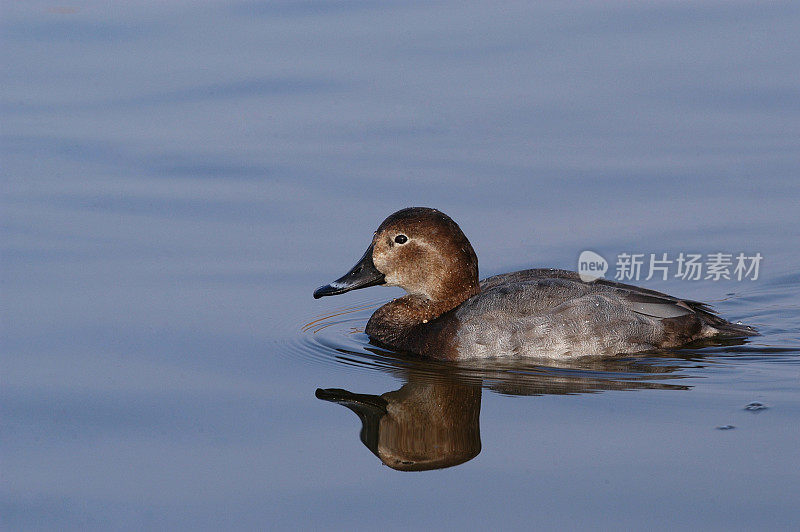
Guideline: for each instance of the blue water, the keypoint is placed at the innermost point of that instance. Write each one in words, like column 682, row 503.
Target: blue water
column 179, row 177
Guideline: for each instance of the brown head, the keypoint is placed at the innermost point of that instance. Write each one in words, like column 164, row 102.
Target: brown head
column 420, row 250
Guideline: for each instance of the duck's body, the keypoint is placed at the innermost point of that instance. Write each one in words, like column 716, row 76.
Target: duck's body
column 543, row 313
column 548, row 313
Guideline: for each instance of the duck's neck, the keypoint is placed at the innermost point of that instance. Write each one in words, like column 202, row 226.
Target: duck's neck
column 393, row 320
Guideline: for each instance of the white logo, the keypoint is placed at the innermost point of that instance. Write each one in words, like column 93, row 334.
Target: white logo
column 689, row 266
column 591, row 266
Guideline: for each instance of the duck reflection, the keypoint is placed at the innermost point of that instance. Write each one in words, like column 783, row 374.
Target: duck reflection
column 432, row 421
column 426, row 424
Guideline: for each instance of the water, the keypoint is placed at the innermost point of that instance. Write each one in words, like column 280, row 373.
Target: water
column 178, row 178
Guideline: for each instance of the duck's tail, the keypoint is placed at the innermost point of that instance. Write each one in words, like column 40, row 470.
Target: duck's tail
column 715, row 326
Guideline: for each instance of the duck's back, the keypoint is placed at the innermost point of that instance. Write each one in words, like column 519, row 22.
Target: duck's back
column 551, row 313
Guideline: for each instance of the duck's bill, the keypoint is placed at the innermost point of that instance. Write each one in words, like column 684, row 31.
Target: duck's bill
column 357, row 402
column 362, row 275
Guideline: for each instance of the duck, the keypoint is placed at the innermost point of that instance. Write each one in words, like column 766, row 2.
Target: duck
column 448, row 313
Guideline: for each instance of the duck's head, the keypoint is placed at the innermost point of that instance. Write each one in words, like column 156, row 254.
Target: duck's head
column 420, row 250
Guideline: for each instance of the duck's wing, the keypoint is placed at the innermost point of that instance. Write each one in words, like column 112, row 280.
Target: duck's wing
column 663, row 306
column 545, row 289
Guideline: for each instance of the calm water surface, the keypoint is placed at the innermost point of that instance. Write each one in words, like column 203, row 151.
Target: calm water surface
column 179, row 177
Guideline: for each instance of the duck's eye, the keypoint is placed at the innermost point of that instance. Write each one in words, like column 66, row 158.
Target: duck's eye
column 401, row 239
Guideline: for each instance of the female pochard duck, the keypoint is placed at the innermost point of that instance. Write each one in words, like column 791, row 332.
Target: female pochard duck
column 545, row 313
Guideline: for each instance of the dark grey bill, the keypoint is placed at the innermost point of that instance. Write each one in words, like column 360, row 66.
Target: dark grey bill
column 362, row 275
